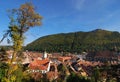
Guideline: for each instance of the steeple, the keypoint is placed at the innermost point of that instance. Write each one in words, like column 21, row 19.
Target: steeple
column 45, row 55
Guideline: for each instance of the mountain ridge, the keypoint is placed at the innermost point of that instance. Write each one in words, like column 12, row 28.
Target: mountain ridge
column 94, row 40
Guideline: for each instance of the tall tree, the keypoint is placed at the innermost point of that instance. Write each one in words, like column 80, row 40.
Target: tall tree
column 21, row 20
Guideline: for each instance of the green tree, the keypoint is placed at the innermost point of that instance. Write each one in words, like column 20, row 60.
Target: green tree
column 3, row 54
column 3, row 69
column 76, row 78
column 96, row 74
column 21, row 20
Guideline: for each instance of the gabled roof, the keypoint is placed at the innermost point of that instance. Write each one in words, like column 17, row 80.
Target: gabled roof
column 105, row 54
column 39, row 64
column 64, row 58
column 88, row 63
column 52, row 75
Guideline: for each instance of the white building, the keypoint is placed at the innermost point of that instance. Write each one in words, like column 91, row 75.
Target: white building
column 45, row 55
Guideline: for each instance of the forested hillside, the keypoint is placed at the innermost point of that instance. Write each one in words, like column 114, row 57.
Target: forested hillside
column 95, row 40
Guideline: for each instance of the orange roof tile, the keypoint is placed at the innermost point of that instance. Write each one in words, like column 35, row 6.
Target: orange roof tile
column 39, row 64
column 52, row 75
column 64, row 58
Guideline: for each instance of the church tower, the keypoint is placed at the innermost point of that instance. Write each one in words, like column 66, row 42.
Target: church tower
column 45, row 55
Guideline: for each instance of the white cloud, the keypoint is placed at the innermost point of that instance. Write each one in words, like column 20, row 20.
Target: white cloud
column 91, row 4
column 78, row 4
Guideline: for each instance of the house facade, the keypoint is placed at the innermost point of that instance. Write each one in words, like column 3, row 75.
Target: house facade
column 42, row 66
column 103, row 56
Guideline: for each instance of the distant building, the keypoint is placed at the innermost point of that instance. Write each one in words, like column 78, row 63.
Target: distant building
column 81, row 57
column 90, row 56
column 52, row 75
column 106, row 56
column 26, row 60
column 85, row 68
column 62, row 59
column 42, row 66
column 45, row 55
column 10, row 56
column 103, row 56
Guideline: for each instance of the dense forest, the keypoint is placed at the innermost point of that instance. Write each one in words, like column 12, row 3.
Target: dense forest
column 96, row 40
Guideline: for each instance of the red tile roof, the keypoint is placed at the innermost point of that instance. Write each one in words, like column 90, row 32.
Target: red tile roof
column 87, row 63
column 52, row 75
column 39, row 64
column 105, row 54
column 64, row 58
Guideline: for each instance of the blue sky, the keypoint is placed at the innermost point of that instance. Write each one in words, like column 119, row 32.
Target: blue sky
column 63, row 16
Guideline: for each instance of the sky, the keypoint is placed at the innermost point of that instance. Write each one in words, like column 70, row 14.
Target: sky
column 64, row 16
